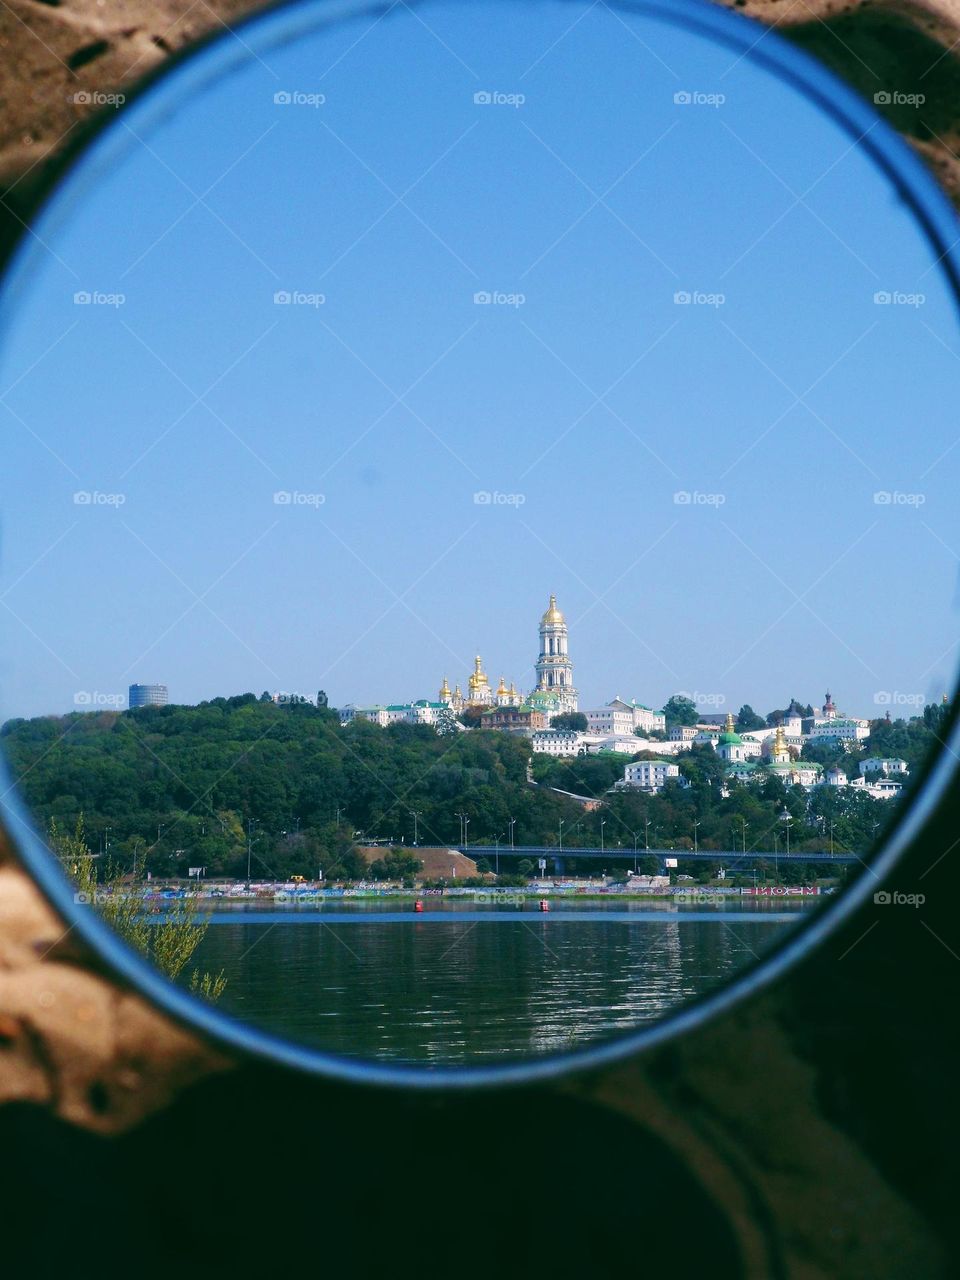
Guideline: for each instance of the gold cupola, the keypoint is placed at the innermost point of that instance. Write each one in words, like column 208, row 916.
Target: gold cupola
column 478, row 681
column 502, row 689
column 445, row 694
column 553, row 616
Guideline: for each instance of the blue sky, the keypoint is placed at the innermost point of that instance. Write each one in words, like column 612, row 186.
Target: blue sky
column 589, row 405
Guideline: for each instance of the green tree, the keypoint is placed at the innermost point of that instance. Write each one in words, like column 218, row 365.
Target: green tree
column 748, row 719
column 680, row 710
column 570, row 720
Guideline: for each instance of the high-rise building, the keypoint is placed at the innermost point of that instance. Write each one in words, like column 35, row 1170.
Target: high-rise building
column 147, row 695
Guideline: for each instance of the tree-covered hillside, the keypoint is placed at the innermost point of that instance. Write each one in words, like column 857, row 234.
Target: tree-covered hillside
column 178, row 786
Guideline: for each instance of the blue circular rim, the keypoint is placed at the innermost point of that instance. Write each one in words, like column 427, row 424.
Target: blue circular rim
column 279, row 24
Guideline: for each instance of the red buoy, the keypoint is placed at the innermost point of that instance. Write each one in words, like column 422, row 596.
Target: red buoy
column 418, row 905
column 544, row 905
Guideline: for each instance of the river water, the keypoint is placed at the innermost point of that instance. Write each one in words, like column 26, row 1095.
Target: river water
column 464, row 984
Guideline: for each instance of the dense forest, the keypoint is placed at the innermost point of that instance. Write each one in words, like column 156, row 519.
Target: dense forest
column 164, row 788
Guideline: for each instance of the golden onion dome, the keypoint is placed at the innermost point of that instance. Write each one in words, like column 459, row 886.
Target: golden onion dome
column 445, row 690
column 501, row 689
column 478, row 680
column 553, row 616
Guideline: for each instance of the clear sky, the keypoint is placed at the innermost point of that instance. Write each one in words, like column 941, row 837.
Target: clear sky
column 590, row 404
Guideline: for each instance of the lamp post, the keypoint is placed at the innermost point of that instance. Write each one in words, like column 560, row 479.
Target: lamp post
column 603, row 823
column 415, row 815
column 744, row 824
column 513, row 823
column 497, row 853
column 646, row 834
column 463, row 828
column 250, row 824
column 786, row 818
column 636, row 835
column 696, row 823
column 561, row 835
column 831, row 837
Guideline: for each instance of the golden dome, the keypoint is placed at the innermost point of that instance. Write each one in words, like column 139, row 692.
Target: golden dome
column 553, row 616
column 445, row 690
column 478, row 680
column 501, row 689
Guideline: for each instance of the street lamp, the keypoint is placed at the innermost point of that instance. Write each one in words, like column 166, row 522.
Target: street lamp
column 786, row 818
column 513, row 823
column 497, row 853
column 603, row 823
column 250, row 825
column 744, row 824
column 696, row 824
column 561, row 835
column 415, row 815
column 646, row 834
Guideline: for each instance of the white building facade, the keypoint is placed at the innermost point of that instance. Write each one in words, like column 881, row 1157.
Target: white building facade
column 649, row 775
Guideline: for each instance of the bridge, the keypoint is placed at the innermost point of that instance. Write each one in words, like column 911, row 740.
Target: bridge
column 618, row 853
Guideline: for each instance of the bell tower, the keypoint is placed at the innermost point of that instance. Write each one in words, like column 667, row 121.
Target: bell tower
column 554, row 668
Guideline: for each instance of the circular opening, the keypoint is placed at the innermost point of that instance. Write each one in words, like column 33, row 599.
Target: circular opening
column 187, row 113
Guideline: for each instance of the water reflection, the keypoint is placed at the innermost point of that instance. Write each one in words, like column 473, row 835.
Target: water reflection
column 464, row 983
